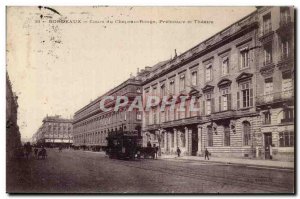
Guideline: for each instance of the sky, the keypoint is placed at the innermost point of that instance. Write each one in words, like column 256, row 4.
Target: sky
column 61, row 58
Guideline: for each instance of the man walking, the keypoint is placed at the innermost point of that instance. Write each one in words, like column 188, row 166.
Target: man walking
column 206, row 154
column 178, row 151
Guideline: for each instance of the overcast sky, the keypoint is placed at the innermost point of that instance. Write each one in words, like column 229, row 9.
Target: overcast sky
column 57, row 68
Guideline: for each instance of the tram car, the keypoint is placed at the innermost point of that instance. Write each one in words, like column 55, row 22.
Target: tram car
column 125, row 145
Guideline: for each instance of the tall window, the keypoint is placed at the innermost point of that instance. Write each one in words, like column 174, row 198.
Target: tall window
column 247, row 133
column 268, row 53
column 225, row 66
column 245, row 58
column 194, row 78
column 162, row 115
column 208, row 103
column 147, row 117
column 209, row 136
column 208, row 73
column 285, row 49
column 286, row 139
column 285, row 15
column 163, row 90
column 172, row 87
column 226, row 136
column 267, row 117
column 182, row 136
column 172, row 140
column 162, row 139
column 288, row 115
column 154, row 116
column 246, row 93
column 225, row 100
column 267, row 24
column 268, row 89
column 154, row 91
column 182, row 82
column 287, row 84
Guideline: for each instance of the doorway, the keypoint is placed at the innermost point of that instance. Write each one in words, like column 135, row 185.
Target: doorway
column 195, row 140
column 268, row 145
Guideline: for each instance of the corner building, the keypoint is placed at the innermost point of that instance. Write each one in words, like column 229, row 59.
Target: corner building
column 55, row 131
column 225, row 74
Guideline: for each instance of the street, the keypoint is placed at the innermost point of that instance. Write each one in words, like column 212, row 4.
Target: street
column 92, row 172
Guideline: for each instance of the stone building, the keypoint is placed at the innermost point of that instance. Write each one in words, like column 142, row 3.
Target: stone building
column 13, row 136
column 275, row 80
column 92, row 125
column 55, row 131
column 225, row 74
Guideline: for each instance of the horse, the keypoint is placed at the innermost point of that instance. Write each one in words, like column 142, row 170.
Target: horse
column 42, row 153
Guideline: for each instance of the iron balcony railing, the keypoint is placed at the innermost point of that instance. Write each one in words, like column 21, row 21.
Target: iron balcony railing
column 275, row 97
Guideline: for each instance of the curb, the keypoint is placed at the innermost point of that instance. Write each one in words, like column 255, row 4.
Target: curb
column 232, row 163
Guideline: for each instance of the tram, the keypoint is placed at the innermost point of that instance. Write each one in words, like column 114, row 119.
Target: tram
column 126, row 145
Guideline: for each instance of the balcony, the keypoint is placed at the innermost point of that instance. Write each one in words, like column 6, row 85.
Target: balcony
column 266, row 35
column 286, row 61
column 275, row 98
column 181, row 122
column 285, row 21
column 285, row 26
column 223, row 115
column 151, row 127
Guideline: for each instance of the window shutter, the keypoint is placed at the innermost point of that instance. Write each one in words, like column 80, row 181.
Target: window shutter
column 203, row 108
column 229, row 101
column 238, row 99
column 251, row 97
column 213, row 105
column 220, row 103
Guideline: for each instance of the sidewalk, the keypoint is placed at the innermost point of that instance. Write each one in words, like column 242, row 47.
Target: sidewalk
column 238, row 161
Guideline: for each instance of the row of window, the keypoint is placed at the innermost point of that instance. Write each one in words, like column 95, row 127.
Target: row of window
column 246, row 135
column 96, row 137
column 103, row 120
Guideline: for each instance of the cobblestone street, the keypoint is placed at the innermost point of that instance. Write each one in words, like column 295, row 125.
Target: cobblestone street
column 92, row 172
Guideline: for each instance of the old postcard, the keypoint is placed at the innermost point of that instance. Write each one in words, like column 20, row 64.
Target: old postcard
column 155, row 100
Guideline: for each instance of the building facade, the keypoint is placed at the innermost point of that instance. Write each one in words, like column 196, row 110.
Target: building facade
column 92, row 125
column 55, row 131
column 224, row 75
column 275, row 77
column 13, row 136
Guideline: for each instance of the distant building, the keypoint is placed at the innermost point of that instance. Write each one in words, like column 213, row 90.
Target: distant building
column 92, row 125
column 13, row 136
column 55, row 131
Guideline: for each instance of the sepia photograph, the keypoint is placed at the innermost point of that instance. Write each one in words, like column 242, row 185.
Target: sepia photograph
column 150, row 100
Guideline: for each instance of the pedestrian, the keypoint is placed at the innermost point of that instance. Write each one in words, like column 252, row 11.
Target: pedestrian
column 155, row 150
column 178, row 151
column 36, row 150
column 206, row 154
